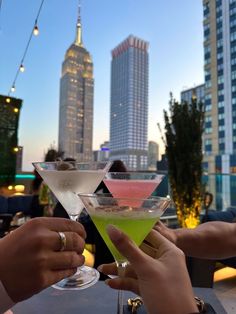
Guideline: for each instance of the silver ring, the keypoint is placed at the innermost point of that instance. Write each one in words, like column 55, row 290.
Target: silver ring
column 62, row 237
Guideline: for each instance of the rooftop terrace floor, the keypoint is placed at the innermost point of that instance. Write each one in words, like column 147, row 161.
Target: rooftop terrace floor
column 225, row 288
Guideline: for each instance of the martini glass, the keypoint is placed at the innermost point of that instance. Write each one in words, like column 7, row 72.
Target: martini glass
column 136, row 219
column 132, row 185
column 66, row 180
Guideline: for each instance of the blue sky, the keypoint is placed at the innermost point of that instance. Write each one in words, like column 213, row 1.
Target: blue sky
column 172, row 27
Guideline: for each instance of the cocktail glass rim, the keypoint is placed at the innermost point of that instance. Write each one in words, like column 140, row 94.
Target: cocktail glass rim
column 125, row 198
column 105, row 169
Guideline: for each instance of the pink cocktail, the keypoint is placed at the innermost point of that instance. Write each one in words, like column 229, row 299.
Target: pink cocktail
column 132, row 185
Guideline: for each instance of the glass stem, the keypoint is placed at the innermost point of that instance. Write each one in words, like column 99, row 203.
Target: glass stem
column 74, row 217
column 121, row 272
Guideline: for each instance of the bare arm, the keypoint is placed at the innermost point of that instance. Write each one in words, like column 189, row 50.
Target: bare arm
column 212, row 240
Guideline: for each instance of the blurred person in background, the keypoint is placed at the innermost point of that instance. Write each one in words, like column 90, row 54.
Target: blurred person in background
column 43, row 201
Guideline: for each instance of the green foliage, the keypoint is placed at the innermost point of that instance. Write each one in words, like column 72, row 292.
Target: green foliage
column 183, row 131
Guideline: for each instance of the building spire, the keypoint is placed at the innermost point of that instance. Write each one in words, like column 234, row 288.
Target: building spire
column 78, row 38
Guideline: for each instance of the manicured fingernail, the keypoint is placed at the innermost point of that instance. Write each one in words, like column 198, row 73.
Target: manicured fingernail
column 100, row 268
column 113, row 232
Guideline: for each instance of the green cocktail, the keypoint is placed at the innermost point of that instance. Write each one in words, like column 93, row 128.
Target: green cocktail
column 130, row 224
column 135, row 217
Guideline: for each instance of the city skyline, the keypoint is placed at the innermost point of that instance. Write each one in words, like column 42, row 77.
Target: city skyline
column 175, row 34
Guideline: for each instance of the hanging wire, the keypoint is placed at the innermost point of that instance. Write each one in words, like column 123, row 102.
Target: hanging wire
column 0, row 11
column 35, row 32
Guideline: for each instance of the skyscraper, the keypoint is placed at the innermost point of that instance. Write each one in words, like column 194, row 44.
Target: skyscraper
column 76, row 101
column 129, row 103
column 153, row 155
column 220, row 85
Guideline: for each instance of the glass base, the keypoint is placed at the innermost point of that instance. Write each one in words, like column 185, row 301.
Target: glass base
column 82, row 279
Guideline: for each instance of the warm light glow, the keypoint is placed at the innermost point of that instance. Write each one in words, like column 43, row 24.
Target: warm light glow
column 13, row 88
column 8, row 100
column 224, row 274
column 89, row 258
column 19, row 188
column 36, row 30
column 16, row 149
column 10, row 187
column 191, row 222
column 16, row 110
column 22, row 68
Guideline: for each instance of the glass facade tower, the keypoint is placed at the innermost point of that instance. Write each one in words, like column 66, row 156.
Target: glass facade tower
column 220, row 85
column 76, row 101
column 129, row 103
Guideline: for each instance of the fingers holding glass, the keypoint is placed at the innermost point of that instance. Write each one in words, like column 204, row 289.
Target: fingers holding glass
column 65, row 260
column 67, row 241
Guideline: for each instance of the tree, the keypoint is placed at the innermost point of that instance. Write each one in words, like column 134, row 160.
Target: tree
column 183, row 132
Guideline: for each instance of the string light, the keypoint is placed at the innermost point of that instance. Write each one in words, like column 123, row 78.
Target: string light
column 22, row 68
column 35, row 32
column 13, row 88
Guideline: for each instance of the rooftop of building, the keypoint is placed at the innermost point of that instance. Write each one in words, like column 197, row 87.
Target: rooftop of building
column 130, row 41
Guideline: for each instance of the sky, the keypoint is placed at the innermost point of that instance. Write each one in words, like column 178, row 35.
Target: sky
column 173, row 29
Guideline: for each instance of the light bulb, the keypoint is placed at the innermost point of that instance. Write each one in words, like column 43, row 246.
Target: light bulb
column 13, row 88
column 8, row 100
column 22, row 68
column 36, row 30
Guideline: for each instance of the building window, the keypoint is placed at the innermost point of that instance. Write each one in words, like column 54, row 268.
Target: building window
column 220, row 93
column 207, row 84
column 208, row 107
column 233, row 36
column 208, row 130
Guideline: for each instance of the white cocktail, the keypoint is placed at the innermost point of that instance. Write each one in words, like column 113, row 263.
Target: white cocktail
column 66, row 180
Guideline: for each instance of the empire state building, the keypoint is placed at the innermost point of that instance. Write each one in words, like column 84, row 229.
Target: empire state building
column 76, row 101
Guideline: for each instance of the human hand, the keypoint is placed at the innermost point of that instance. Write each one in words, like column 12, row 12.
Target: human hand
column 162, row 282
column 31, row 259
column 168, row 233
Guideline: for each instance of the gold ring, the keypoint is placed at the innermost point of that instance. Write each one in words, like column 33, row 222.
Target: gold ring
column 62, row 241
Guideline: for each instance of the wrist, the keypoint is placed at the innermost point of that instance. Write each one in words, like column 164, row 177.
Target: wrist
column 178, row 237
